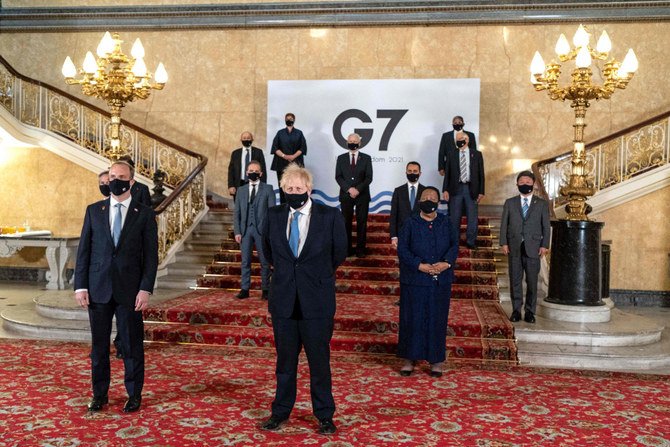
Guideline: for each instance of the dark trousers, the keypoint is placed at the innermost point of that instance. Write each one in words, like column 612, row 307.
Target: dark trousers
column 291, row 335
column 362, row 207
column 457, row 204
column 518, row 265
column 252, row 237
column 131, row 337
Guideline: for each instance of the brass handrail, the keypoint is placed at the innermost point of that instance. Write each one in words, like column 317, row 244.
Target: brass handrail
column 41, row 105
column 610, row 160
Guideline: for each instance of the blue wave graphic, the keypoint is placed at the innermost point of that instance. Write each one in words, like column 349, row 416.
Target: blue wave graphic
column 377, row 204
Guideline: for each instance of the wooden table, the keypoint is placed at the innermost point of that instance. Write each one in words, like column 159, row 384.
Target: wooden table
column 59, row 250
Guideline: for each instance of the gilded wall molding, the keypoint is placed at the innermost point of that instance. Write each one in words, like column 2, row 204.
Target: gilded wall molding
column 337, row 13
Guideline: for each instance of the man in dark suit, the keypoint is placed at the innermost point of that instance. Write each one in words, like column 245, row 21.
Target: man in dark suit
column 288, row 146
column 405, row 201
column 353, row 172
column 524, row 237
column 305, row 242
column 114, row 276
column 251, row 205
column 448, row 142
column 239, row 161
column 463, row 186
column 139, row 191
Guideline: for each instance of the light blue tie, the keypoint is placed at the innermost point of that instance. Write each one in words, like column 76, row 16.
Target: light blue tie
column 294, row 236
column 524, row 208
column 412, row 197
column 116, row 229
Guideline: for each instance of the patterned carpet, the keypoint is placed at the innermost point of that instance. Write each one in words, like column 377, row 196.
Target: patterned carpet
column 217, row 396
column 367, row 317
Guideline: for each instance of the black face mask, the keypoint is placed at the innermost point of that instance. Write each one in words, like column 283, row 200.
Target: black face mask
column 413, row 178
column 352, row 146
column 525, row 189
column 246, row 143
column 104, row 190
column 289, row 123
column 460, row 143
column 428, row 206
column 458, row 127
column 253, row 176
column 296, row 201
column 119, row 187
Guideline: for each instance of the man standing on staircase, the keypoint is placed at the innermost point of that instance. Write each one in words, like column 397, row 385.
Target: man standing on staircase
column 252, row 202
column 239, row 162
column 463, row 185
column 524, row 238
column 305, row 242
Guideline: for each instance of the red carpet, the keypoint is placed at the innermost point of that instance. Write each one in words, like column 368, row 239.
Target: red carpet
column 204, row 396
column 366, row 320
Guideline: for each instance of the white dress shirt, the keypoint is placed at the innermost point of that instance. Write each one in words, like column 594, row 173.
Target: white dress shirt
column 251, row 187
column 112, row 211
column 243, row 167
column 303, row 223
column 528, row 197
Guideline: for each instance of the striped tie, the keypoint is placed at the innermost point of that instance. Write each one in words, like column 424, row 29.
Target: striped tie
column 524, row 208
column 464, row 168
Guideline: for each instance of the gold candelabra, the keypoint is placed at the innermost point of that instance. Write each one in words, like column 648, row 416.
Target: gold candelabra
column 580, row 91
column 116, row 79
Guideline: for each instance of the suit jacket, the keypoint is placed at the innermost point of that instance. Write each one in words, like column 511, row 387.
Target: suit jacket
column 310, row 278
column 235, row 178
column 359, row 179
column 534, row 231
column 417, row 243
column 452, row 173
column 400, row 207
column 447, row 144
column 265, row 199
column 141, row 194
column 289, row 144
column 120, row 271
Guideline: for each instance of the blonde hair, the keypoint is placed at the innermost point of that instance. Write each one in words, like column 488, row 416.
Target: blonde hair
column 294, row 171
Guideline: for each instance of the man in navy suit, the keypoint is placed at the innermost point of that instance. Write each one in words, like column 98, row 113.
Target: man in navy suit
column 404, row 201
column 353, row 172
column 305, row 242
column 114, row 276
column 463, row 186
column 252, row 202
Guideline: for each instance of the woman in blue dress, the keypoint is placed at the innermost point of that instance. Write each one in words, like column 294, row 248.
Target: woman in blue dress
column 427, row 249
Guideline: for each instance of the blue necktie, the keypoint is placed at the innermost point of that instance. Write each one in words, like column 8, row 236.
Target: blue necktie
column 524, row 208
column 412, row 197
column 294, row 236
column 116, row 230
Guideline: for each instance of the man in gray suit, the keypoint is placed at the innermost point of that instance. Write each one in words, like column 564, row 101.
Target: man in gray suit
column 524, row 238
column 252, row 202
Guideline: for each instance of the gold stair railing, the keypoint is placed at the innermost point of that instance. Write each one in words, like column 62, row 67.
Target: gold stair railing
column 611, row 160
column 46, row 107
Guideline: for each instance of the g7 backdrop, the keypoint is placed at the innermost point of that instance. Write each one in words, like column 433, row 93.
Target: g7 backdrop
column 399, row 120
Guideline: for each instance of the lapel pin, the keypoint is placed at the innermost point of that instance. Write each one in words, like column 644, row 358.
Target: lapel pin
column 135, row 209
column 103, row 207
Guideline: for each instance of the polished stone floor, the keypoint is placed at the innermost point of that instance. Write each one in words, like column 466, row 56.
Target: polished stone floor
column 17, row 296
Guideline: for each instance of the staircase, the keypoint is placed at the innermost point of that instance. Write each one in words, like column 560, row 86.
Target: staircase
column 366, row 319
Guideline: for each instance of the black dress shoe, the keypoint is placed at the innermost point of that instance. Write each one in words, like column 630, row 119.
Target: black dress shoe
column 529, row 317
column 97, row 403
column 132, row 404
column 405, row 372
column 242, row 294
column 516, row 316
column 265, row 295
column 273, row 423
column 435, row 373
column 327, row 427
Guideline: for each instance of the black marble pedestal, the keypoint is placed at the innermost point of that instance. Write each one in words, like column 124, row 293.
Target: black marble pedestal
column 575, row 271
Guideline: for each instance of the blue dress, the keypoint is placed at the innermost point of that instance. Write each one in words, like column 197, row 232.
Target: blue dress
column 424, row 300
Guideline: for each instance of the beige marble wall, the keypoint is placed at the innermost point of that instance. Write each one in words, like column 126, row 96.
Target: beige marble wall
column 218, row 82
column 640, row 237
column 45, row 191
